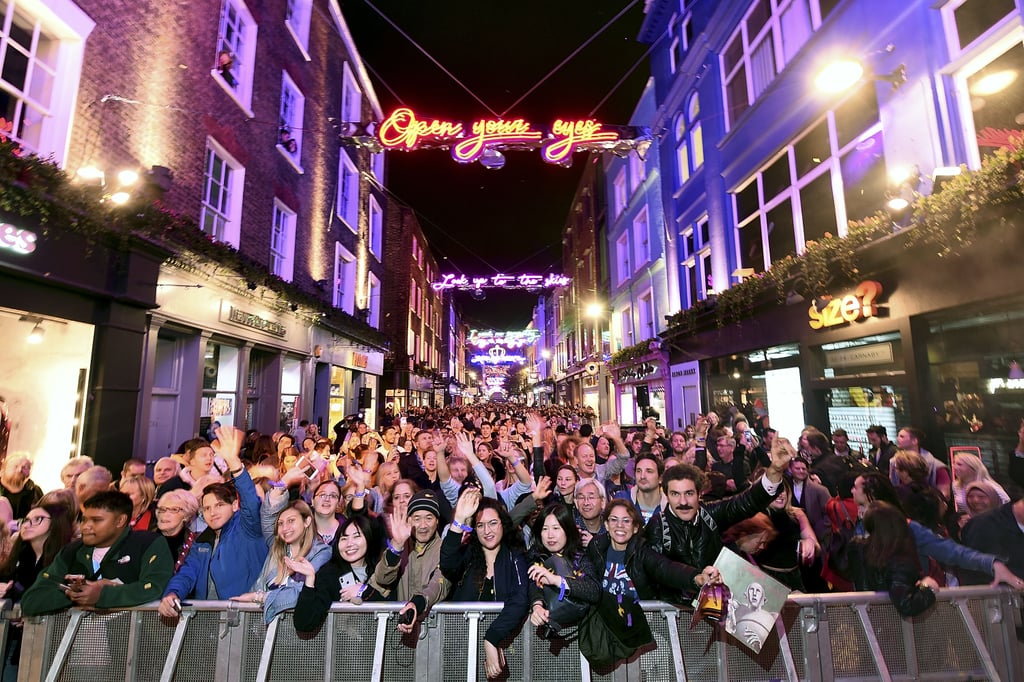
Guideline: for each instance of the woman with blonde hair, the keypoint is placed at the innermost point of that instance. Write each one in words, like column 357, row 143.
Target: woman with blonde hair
column 175, row 512
column 142, row 492
column 794, row 545
column 294, row 548
column 968, row 468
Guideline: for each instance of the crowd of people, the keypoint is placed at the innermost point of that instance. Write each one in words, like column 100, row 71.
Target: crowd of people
column 567, row 522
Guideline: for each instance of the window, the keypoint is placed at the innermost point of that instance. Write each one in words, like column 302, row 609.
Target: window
column 695, row 250
column 767, row 39
column 236, row 53
column 673, row 55
column 619, row 192
column 636, row 171
column 990, row 97
column 808, row 191
column 296, row 18
column 689, row 140
column 377, row 165
column 348, row 192
column 290, row 125
column 376, row 228
column 40, row 67
column 351, row 97
column 282, row 242
column 645, row 313
column 344, row 278
column 968, row 20
column 373, row 303
column 626, row 327
column 641, row 240
column 222, row 195
column 622, row 271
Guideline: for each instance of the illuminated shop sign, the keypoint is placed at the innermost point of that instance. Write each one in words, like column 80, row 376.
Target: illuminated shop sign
column 253, row 321
column 497, row 355
column 463, row 283
column 860, row 305
column 16, row 239
column 404, row 130
column 482, row 338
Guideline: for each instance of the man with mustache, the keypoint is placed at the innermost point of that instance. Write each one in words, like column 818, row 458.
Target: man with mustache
column 691, row 533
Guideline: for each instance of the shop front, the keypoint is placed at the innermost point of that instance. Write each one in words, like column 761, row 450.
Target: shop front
column 901, row 347
column 640, row 388
column 346, row 381
column 73, row 321
column 214, row 354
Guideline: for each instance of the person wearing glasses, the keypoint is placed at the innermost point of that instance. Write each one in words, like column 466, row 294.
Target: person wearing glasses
column 630, row 571
column 44, row 531
column 325, row 512
column 174, row 514
column 490, row 567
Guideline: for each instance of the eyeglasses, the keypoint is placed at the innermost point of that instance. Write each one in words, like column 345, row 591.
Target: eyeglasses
column 587, row 498
column 616, row 521
column 327, row 496
column 35, row 520
column 170, row 510
column 488, row 525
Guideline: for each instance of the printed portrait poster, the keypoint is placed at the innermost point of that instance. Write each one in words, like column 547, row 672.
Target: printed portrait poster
column 757, row 600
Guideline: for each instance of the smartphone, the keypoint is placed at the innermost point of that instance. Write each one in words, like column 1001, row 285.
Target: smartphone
column 402, row 421
column 306, row 467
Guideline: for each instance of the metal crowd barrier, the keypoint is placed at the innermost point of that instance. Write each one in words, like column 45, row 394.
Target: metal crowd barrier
column 971, row 634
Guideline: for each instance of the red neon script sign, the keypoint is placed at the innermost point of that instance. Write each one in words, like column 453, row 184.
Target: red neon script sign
column 490, row 132
column 402, row 129
column 568, row 134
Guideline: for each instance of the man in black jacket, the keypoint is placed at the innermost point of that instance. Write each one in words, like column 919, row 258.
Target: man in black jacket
column 690, row 532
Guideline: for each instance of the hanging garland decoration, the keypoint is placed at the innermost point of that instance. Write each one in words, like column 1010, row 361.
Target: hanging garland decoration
column 485, row 140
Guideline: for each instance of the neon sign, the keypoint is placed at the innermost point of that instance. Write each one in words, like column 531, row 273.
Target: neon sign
column 497, row 355
column 463, row 283
column 568, row 136
column 17, row 239
column 404, row 131
column 514, row 339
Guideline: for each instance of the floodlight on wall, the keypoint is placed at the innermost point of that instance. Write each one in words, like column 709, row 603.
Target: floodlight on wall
column 35, row 337
column 943, row 175
column 844, row 73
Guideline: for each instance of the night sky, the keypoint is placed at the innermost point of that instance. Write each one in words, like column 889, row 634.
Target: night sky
column 481, row 222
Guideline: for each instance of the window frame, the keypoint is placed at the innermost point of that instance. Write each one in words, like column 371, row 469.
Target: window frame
column 375, row 222
column 622, row 269
column 235, row 185
column 348, row 192
column 351, row 96
column 297, row 14
column 282, row 257
column 642, row 252
column 620, row 195
column 67, row 28
column 294, row 122
column 241, row 92
column 345, row 263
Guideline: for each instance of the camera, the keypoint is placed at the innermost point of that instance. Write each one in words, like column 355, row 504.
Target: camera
column 407, row 617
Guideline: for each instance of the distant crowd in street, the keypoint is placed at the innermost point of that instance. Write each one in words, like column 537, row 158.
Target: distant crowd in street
column 568, row 522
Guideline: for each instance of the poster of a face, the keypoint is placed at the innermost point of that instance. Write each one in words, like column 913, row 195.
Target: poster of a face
column 757, row 599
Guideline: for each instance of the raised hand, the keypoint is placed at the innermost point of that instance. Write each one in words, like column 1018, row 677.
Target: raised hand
column 543, row 489
column 467, row 505
column 400, row 530
column 781, row 454
column 464, row 445
column 612, row 430
column 535, row 424
column 231, row 441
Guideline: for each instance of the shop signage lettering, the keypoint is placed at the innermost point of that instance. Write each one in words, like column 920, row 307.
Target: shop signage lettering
column 360, row 360
column 17, row 239
column 260, row 324
column 684, row 372
column 482, row 338
column 872, row 354
column 861, row 304
column 644, row 369
column 464, row 283
column 404, row 130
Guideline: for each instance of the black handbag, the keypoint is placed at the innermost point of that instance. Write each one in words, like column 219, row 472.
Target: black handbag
column 567, row 611
column 602, row 646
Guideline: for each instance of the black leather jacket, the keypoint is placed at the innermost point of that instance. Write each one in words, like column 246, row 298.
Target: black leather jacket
column 698, row 542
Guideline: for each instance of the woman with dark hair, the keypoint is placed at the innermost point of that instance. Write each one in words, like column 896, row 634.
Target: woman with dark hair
column 794, row 545
column 490, row 567
column 325, row 512
column 633, row 571
column 347, row 577
column 888, row 561
column 263, row 448
column 45, row 530
column 557, row 560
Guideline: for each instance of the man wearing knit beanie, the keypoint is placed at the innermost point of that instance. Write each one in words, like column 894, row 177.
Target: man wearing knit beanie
column 412, row 557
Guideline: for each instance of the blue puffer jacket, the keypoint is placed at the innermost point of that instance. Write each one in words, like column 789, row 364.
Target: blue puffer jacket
column 236, row 562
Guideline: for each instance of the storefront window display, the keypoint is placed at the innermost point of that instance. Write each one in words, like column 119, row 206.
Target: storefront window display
column 291, row 387
column 220, row 385
column 739, row 383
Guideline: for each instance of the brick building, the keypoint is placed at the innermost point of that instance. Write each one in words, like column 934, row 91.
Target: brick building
column 231, row 113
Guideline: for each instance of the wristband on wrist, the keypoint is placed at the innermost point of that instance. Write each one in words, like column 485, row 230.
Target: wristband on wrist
column 562, row 589
column 362, row 494
column 394, row 550
column 461, row 526
column 238, row 471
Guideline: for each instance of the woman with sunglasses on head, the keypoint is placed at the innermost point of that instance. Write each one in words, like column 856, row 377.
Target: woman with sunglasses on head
column 45, row 530
column 174, row 514
column 490, row 567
